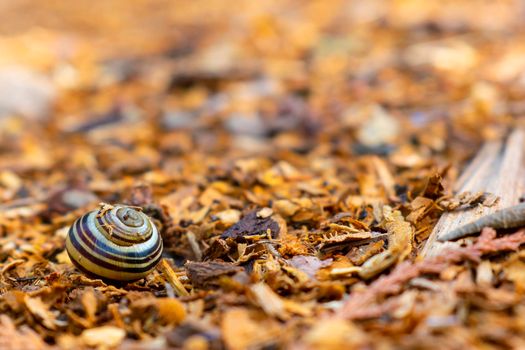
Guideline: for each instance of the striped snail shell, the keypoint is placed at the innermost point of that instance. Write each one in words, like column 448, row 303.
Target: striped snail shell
column 115, row 243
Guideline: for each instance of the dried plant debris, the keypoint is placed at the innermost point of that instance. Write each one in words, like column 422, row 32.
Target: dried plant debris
column 295, row 157
column 467, row 200
column 206, row 273
column 254, row 224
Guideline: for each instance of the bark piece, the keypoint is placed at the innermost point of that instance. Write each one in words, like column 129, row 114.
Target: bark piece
column 250, row 225
column 498, row 168
column 204, row 274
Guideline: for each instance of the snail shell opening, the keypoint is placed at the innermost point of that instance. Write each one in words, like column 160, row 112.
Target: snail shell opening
column 119, row 244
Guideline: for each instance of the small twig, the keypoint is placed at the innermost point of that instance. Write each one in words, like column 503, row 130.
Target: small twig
column 173, row 279
column 272, row 250
column 23, row 279
column 19, row 202
column 11, row 265
column 510, row 217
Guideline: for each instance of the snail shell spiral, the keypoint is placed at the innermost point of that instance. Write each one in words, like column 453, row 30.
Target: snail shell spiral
column 116, row 243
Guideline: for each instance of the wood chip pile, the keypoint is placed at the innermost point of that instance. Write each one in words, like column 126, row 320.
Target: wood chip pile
column 295, row 156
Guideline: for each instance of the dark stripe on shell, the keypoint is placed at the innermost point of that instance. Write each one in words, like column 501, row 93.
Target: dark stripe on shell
column 87, row 255
column 101, row 249
column 107, row 279
column 133, row 257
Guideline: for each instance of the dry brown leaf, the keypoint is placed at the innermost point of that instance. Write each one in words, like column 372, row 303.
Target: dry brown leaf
column 268, row 300
column 23, row 338
column 171, row 310
column 103, row 337
column 400, row 245
column 285, row 207
column 484, row 274
column 37, row 307
column 309, row 264
column 333, row 334
column 242, row 331
column 89, row 301
column 228, row 217
column 515, row 272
